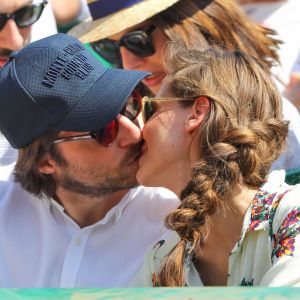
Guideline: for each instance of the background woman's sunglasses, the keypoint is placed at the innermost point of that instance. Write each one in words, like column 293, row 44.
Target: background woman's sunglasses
column 138, row 42
column 25, row 16
column 107, row 135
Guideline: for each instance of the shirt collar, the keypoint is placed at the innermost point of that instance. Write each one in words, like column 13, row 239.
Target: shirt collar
column 116, row 211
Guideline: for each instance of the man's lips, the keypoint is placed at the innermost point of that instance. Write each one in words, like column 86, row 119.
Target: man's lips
column 134, row 159
column 154, row 79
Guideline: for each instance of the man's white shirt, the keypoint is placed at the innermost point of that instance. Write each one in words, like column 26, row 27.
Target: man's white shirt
column 41, row 247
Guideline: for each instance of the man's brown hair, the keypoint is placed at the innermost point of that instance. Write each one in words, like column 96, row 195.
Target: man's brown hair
column 27, row 172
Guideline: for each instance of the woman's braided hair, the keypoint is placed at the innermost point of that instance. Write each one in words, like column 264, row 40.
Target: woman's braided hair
column 240, row 137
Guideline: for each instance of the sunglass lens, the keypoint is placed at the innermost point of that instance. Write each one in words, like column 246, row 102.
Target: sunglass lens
column 28, row 15
column 133, row 106
column 107, row 135
column 2, row 21
column 147, row 111
column 109, row 50
column 139, row 44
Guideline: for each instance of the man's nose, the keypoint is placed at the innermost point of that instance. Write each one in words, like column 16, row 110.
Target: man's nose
column 129, row 132
column 10, row 36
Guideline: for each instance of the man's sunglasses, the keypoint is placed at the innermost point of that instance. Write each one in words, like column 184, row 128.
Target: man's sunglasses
column 107, row 135
column 25, row 16
column 138, row 42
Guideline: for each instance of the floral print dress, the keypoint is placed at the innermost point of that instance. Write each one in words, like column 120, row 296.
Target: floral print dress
column 268, row 251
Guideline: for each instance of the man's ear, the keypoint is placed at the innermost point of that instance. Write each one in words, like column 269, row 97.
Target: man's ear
column 199, row 111
column 46, row 165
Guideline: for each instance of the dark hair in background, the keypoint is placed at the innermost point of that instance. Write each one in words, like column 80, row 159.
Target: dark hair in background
column 205, row 23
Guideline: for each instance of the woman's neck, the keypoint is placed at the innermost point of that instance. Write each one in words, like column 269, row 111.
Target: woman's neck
column 177, row 177
column 211, row 259
column 227, row 223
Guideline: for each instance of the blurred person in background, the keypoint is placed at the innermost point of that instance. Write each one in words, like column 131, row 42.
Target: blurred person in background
column 282, row 16
column 65, row 11
column 69, row 13
column 21, row 22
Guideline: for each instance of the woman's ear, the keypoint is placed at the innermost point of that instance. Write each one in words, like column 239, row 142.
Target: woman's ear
column 199, row 111
column 46, row 165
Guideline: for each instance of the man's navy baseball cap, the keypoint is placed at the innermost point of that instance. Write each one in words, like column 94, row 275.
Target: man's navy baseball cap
column 55, row 84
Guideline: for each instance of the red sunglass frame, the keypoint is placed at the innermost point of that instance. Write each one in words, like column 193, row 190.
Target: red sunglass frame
column 107, row 135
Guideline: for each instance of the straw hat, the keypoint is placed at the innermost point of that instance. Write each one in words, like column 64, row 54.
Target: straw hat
column 112, row 16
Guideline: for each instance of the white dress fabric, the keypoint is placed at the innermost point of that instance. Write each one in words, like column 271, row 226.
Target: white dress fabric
column 42, row 247
column 268, row 251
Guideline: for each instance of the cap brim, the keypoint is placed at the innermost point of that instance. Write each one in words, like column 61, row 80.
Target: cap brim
column 103, row 101
column 91, row 31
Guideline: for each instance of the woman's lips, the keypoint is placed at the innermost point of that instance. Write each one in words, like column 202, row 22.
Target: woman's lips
column 144, row 148
column 154, row 79
column 143, row 151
